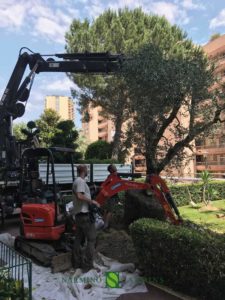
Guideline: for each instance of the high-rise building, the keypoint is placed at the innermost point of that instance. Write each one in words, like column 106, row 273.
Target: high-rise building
column 210, row 152
column 62, row 104
column 98, row 128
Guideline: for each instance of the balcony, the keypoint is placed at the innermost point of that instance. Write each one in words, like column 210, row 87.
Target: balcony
column 103, row 125
column 100, row 118
column 214, row 149
column 211, row 166
column 102, row 134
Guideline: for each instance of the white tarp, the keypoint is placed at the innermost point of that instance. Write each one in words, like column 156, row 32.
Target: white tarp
column 71, row 285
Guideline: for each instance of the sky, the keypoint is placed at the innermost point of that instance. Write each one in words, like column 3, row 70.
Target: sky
column 41, row 25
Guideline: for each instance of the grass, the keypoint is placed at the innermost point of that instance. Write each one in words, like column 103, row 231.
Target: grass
column 206, row 218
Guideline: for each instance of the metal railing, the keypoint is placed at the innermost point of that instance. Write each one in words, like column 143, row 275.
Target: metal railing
column 15, row 271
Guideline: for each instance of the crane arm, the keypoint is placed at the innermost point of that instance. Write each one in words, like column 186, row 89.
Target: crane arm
column 17, row 91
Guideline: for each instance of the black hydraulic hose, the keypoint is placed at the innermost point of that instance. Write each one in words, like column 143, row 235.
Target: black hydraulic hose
column 172, row 203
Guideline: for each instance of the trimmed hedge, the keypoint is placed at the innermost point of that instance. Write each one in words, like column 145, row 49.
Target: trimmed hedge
column 185, row 259
column 180, row 193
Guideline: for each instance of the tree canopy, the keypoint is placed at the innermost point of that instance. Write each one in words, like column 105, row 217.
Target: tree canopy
column 17, row 130
column 47, row 125
column 99, row 150
column 117, row 32
column 170, row 89
column 164, row 90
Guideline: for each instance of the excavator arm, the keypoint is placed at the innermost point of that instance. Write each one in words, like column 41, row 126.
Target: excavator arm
column 158, row 187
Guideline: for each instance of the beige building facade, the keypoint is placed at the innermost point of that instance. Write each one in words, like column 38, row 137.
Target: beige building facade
column 62, row 104
column 98, row 128
column 210, row 152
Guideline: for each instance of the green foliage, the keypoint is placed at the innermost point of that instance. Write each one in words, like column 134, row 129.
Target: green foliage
column 186, row 259
column 180, row 195
column 166, row 76
column 116, row 32
column 169, row 77
column 10, row 288
column 47, row 125
column 17, row 131
column 66, row 136
column 83, row 143
column 206, row 177
column 99, row 150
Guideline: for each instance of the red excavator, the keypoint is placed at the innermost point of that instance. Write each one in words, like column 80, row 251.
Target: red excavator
column 44, row 219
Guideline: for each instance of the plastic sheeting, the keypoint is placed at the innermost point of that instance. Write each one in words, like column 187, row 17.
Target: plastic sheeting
column 71, row 285
column 83, row 286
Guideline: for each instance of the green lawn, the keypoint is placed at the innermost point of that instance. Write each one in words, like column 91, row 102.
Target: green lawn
column 206, row 218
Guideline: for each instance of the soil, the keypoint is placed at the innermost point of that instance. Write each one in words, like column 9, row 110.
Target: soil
column 208, row 207
column 116, row 244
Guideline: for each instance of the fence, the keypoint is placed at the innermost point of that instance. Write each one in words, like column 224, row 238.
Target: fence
column 96, row 172
column 15, row 270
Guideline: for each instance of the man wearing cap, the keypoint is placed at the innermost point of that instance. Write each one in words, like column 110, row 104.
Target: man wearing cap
column 84, row 227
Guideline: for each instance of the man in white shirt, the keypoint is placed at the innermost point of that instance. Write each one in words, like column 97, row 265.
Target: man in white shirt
column 84, row 227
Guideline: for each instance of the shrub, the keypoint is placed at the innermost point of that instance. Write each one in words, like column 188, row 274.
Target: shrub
column 99, row 149
column 180, row 192
column 11, row 288
column 185, row 259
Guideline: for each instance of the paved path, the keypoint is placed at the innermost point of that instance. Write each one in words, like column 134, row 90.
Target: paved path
column 154, row 293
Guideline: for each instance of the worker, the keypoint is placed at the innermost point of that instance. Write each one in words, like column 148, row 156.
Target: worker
column 112, row 170
column 85, row 227
column 110, row 202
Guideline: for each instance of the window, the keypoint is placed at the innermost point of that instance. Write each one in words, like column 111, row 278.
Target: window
column 200, row 158
column 199, row 142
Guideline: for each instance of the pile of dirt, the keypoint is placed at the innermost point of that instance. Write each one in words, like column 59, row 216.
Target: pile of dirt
column 138, row 205
column 116, row 244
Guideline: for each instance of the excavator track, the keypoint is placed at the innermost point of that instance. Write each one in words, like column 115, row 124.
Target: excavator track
column 45, row 254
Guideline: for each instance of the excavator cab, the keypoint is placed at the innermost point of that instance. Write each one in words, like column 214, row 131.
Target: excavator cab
column 42, row 212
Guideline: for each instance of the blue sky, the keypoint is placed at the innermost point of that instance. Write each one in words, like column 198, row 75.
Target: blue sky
column 41, row 25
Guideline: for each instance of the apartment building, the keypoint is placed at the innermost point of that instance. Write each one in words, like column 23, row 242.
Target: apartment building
column 210, row 152
column 62, row 104
column 98, row 128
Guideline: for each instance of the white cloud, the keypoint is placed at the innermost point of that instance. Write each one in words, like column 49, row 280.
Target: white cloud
column 12, row 13
column 115, row 5
column 188, row 4
column 171, row 11
column 50, row 29
column 60, row 85
column 218, row 21
column 94, row 8
column 40, row 17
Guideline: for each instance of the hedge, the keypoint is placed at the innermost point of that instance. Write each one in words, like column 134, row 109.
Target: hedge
column 180, row 192
column 185, row 259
